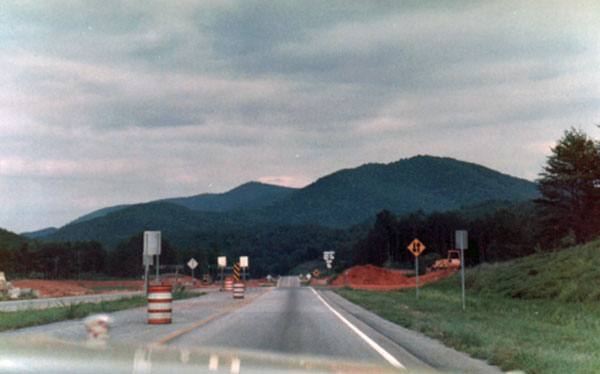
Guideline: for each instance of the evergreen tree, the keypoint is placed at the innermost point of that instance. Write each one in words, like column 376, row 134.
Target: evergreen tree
column 570, row 186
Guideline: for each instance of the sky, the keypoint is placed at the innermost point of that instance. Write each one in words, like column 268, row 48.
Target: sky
column 104, row 103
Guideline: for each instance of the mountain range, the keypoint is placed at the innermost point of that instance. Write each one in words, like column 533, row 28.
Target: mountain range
column 342, row 199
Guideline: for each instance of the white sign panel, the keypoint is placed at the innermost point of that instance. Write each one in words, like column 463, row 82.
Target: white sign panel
column 462, row 241
column 192, row 263
column 152, row 243
column 244, row 261
column 222, row 261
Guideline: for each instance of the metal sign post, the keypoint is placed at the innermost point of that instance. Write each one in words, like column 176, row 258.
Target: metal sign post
column 328, row 256
column 152, row 242
column 192, row 263
column 244, row 265
column 462, row 243
column 222, row 262
column 416, row 247
column 147, row 261
column 417, row 274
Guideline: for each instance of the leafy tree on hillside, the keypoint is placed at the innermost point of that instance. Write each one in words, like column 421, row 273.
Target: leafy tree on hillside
column 126, row 259
column 91, row 256
column 381, row 244
column 570, row 186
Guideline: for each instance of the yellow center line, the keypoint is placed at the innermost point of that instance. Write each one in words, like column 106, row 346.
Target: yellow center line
column 208, row 319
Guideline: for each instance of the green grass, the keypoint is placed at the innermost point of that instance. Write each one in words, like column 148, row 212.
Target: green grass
column 570, row 275
column 539, row 314
column 27, row 318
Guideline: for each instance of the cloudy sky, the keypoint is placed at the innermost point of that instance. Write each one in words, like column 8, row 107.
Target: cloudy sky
column 105, row 103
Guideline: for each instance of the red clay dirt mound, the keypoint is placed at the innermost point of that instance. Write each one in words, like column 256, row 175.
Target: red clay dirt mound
column 371, row 277
column 52, row 288
column 49, row 288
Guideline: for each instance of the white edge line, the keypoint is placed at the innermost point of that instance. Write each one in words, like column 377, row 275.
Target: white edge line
column 385, row 354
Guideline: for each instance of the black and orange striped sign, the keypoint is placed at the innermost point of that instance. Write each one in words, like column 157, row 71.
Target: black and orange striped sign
column 236, row 272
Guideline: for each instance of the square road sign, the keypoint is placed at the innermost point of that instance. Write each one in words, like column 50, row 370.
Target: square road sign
column 152, row 243
column 462, row 241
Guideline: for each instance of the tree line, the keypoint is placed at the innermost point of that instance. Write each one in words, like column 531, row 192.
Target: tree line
column 567, row 213
column 89, row 260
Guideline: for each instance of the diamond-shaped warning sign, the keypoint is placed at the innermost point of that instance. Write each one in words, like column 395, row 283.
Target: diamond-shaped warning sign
column 416, row 247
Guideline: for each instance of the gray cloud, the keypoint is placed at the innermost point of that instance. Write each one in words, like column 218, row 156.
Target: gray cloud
column 143, row 100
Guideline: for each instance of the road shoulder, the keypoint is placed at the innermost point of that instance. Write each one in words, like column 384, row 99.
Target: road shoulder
column 423, row 348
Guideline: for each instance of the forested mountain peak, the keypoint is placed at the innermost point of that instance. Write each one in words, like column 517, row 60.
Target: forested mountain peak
column 251, row 194
column 427, row 183
column 339, row 200
column 247, row 195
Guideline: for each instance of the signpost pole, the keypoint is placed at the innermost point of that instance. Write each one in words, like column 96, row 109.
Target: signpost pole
column 192, row 263
column 222, row 262
column 157, row 266
column 152, row 248
column 146, row 271
column 416, row 247
column 244, row 264
column 462, row 243
column 417, row 274
column 462, row 275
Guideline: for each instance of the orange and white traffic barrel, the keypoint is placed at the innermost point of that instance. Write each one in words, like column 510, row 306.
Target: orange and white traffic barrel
column 238, row 290
column 159, row 304
column 228, row 284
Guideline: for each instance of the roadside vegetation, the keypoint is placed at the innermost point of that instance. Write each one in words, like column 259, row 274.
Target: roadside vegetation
column 538, row 314
column 35, row 317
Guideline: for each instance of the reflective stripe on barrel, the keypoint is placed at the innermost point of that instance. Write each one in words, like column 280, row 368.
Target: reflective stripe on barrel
column 159, row 304
column 228, row 284
column 238, row 290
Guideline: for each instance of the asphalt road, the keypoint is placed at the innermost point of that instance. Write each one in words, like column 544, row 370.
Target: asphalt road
column 288, row 282
column 287, row 319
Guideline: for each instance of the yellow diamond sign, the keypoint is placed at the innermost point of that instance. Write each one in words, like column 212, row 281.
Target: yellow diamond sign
column 416, row 247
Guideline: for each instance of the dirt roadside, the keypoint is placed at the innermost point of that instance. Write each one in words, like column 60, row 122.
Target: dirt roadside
column 370, row 277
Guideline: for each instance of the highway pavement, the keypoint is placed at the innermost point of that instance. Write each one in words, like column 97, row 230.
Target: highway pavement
column 287, row 319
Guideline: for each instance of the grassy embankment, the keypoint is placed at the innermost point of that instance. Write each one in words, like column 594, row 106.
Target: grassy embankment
column 27, row 318
column 539, row 314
